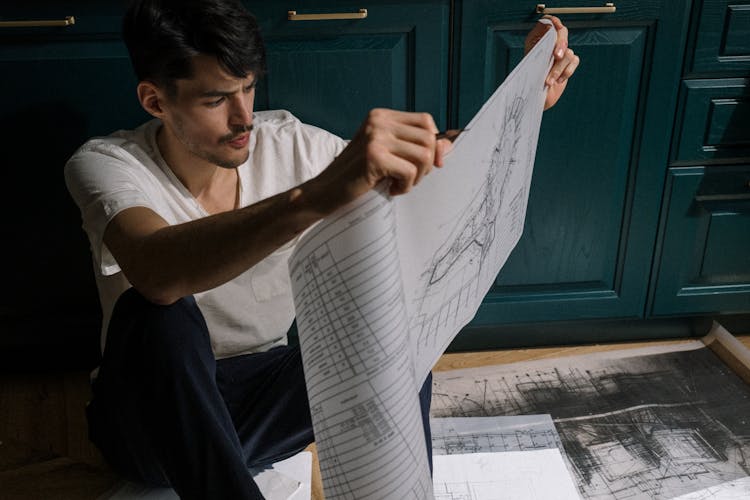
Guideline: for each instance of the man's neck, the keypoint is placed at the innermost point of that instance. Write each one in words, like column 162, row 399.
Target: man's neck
column 216, row 188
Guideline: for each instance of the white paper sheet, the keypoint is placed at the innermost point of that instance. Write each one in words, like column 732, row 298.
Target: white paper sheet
column 522, row 475
column 382, row 286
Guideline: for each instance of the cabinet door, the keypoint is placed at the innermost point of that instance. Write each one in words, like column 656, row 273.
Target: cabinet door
column 61, row 85
column 602, row 155
column 332, row 72
column 704, row 258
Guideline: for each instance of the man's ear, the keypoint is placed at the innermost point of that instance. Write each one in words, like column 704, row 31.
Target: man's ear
column 152, row 98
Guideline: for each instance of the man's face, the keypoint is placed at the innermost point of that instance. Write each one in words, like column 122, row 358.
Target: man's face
column 211, row 114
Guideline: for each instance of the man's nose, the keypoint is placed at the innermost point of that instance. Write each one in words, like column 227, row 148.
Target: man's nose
column 241, row 111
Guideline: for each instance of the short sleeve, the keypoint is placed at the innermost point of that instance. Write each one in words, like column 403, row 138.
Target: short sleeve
column 323, row 146
column 100, row 180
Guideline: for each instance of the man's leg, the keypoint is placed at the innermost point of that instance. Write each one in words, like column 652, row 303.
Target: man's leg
column 425, row 396
column 157, row 414
column 265, row 394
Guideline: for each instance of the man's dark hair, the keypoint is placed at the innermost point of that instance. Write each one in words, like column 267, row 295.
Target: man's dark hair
column 163, row 36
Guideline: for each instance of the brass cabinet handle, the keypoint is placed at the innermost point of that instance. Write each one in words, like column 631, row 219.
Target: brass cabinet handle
column 293, row 16
column 608, row 8
column 68, row 21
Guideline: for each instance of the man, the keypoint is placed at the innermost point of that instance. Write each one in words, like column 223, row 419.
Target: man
column 191, row 219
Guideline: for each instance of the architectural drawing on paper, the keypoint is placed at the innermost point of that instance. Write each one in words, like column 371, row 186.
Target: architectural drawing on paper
column 654, row 426
column 350, row 361
column 467, row 490
column 354, row 301
column 496, row 442
column 452, row 436
column 453, row 274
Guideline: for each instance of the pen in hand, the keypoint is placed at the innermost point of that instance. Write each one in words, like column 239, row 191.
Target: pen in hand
column 451, row 135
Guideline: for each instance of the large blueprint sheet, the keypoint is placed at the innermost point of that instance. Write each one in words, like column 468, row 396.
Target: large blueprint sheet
column 382, row 287
column 661, row 423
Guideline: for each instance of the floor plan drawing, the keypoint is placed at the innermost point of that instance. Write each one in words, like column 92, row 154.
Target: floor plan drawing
column 654, row 426
column 457, row 435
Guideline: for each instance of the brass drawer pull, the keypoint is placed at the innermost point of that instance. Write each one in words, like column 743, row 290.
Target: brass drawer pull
column 608, row 8
column 293, row 16
column 68, row 21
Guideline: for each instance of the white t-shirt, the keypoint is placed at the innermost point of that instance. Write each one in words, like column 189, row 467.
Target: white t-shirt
column 250, row 313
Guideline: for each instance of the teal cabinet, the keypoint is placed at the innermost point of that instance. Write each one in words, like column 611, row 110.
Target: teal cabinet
column 702, row 260
column 623, row 223
column 65, row 84
column 721, row 44
column 703, row 263
column 588, row 242
column 713, row 124
column 330, row 72
column 61, row 85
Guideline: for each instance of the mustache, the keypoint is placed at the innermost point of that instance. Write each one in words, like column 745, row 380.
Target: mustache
column 236, row 132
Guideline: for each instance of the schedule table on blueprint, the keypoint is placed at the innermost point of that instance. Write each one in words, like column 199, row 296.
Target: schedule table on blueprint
column 383, row 285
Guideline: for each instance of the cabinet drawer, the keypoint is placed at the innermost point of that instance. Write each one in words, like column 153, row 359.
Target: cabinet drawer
column 722, row 42
column 704, row 256
column 713, row 121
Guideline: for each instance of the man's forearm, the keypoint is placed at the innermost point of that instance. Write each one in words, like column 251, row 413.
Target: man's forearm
column 183, row 259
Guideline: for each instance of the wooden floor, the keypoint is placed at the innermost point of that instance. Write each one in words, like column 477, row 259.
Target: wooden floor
column 45, row 454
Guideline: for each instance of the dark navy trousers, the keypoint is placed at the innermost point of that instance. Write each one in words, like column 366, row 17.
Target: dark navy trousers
column 165, row 412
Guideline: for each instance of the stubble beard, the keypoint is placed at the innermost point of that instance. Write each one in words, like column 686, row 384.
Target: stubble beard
column 219, row 160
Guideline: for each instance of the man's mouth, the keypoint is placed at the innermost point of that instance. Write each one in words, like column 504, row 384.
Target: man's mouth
column 239, row 141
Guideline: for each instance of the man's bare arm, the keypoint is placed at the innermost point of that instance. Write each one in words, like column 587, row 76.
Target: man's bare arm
column 166, row 262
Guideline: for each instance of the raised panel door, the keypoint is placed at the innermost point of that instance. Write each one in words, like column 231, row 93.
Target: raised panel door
column 594, row 201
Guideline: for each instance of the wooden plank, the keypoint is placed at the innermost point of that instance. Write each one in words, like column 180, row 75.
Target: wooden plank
column 27, row 473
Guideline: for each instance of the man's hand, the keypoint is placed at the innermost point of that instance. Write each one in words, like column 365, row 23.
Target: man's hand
column 394, row 145
column 565, row 62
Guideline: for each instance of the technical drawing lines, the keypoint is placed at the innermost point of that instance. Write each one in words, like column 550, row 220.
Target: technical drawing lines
column 364, row 441
column 656, row 426
column 496, row 442
column 463, row 490
column 452, row 436
column 359, row 376
column 352, row 311
column 471, row 254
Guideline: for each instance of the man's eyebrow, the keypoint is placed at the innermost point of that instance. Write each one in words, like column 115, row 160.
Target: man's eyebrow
column 216, row 93
column 225, row 93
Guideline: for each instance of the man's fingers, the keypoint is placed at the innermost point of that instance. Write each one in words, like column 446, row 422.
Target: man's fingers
column 569, row 69
column 420, row 157
column 442, row 148
column 563, row 69
column 418, row 120
column 401, row 146
column 402, row 174
column 561, row 44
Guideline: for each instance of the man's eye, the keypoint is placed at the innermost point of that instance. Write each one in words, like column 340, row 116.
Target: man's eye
column 216, row 103
column 249, row 88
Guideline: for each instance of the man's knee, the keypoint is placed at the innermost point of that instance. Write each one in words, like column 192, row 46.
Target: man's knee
column 167, row 332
